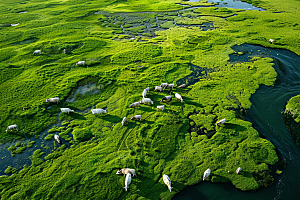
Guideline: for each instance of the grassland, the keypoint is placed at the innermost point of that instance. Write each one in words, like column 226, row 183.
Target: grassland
column 181, row 141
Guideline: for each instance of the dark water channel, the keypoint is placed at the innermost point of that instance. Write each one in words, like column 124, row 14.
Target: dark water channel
column 265, row 114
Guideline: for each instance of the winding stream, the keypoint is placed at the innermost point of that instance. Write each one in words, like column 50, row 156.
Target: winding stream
column 265, row 114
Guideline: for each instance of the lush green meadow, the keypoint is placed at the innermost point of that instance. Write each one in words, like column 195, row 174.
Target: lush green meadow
column 182, row 141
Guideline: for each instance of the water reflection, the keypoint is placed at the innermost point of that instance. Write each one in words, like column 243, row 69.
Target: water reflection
column 234, row 4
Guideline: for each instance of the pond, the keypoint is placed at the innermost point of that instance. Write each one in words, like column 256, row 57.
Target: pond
column 234, row 4
column 19, row 160
column 265, row 114
column 83, row 90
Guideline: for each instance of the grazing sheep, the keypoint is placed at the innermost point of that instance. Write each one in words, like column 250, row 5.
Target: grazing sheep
column 66, row 110
column 164, row 85
column 135, row 104
column 37, row 51
column 124, row 120
column 98, row 111
column 206, row 174
column 167, row 181
column 162, row 107
column 126, row 171
column 158, row 88
column 171, row 85
column 271, row 40
column 222, row 121
column 182, row 86
column 136, row 117
column 144, row 93
column 53, row 100
column 178, row 96
column 238, row 170
column 56, row 137
column 146, row 100
column 12, row 127
column 127, row 181
column 80, row 63
column 167, row 98
column 14, row 24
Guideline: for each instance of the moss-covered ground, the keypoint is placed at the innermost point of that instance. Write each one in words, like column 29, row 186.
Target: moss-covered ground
column 182, row 141
column 292, row 118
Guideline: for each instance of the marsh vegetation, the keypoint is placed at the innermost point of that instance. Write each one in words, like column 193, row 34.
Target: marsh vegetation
column 129, row 46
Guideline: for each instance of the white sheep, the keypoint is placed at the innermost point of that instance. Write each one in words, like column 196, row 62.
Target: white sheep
column 53, row 100
column 271, row 40
column 66, row 110
column 124, row 120
column 146, row 100
column 158, row 88
column 12, row 127
column 136, row 117
column 167, row 181
column 135, row 104
column 164, row 85
column 98, row 111
column 206, row 174
column 56, row 137
column 127, row 181
column 167, row 98
column 144, row 93
column 222, row 121
column 15, row 24
column 238, row 170
column 80, row 63
column 178, row 96
column 126, row 171
column 161, row 107
column 182, row 86
column 171, row 85
column 37, row 51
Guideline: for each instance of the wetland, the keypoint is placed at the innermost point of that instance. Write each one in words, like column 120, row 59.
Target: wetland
column 219, row 49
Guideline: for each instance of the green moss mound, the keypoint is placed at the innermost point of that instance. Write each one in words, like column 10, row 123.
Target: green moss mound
column 49, row 137
column 81, row 134
column 292, row 118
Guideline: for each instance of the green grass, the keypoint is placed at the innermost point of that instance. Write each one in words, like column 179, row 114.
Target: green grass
column 161, row 142
column 49, row 137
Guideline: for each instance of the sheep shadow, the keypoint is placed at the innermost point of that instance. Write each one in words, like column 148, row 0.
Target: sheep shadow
column 245, row 174
column 77, row 116
column 135, row 122
column 233, row 126
column 71, row 115
column 146, row 109
column 110, row 118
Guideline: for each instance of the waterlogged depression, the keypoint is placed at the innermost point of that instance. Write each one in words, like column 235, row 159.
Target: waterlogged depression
column 234, row 4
